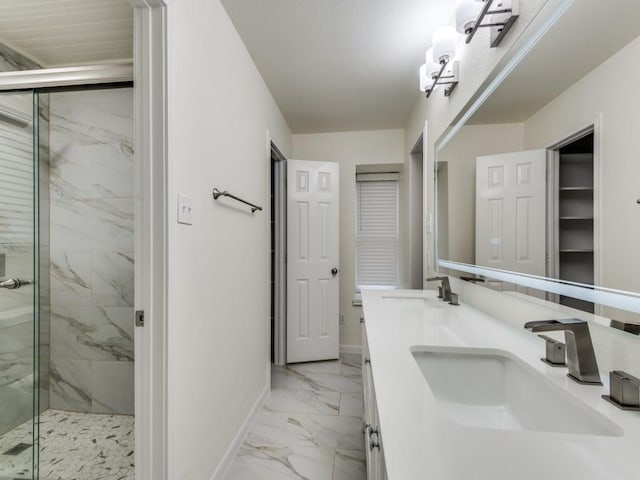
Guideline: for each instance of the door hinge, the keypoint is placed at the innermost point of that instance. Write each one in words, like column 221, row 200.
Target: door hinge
column 139, row 318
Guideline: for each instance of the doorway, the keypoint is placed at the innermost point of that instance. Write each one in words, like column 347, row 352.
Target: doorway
column 304, row 259
column 416, row 203
column 278, row 253
column 572, row 214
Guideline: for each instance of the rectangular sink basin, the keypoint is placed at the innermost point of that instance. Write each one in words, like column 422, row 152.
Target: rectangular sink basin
column 493, row 389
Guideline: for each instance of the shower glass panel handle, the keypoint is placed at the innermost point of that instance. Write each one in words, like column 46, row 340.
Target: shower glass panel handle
column 13, row 283
column 19, row 297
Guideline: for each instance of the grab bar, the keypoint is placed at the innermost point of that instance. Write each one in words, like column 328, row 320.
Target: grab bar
column 217, row 194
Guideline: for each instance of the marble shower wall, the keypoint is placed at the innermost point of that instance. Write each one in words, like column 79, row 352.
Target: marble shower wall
column 92, row 208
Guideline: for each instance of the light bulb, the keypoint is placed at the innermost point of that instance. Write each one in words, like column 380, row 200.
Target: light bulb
column 444, row 43
column 424, row 80
column 467, row 12
column 432, row 68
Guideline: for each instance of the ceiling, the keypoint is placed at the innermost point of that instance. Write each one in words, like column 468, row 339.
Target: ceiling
column 339, row 65
column 583, row 38
column 68, row 32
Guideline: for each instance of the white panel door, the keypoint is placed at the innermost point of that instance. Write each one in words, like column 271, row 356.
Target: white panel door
column 511, row 211
column 312, row 261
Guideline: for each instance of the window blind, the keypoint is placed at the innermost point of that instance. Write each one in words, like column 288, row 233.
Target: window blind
column 377, row 243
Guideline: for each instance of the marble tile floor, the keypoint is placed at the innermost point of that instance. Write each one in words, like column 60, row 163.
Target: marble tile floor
column 73, row 446
column 310, row 426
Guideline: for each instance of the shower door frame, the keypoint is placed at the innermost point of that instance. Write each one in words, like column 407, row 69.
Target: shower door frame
column 150, row 184
column 152, row 212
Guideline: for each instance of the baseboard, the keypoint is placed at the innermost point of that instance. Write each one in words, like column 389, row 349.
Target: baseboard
column 230, row 454
column 357, row 349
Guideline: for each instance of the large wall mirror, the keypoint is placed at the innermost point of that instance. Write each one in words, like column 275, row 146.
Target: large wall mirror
column 538, row 192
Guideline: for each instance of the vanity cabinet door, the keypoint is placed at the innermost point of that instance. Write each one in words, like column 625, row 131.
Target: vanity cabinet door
column 381, row 469
column 366, row 381
column 368, row 454
column 374, row 446
column 363, row 339
column 372, row 439
column 366, row 395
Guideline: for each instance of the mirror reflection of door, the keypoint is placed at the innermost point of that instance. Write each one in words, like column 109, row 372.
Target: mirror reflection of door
column 511, row 212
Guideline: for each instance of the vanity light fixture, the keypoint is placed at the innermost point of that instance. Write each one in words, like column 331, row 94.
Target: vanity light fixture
column 440, row 67
column 499, row 15
column 444, row 72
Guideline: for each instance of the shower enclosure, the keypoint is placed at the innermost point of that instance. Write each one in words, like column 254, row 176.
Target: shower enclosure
column 66, row 284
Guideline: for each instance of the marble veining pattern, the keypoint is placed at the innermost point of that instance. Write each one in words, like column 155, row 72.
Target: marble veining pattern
column 310, row 427
column 11, row 61
column 73, row 446
column 92, row 242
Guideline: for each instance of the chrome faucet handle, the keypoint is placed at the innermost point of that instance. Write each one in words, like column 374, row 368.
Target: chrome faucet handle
column 624, row 390
column 581, row 358
column 455, row 299
column 555, row 352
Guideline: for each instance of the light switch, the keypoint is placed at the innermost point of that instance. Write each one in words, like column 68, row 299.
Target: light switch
column 185, row 209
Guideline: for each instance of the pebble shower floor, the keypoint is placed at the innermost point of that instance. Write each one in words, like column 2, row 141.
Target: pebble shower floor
column 73, row 446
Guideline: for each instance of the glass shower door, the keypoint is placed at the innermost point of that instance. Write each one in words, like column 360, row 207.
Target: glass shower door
column 19, row 296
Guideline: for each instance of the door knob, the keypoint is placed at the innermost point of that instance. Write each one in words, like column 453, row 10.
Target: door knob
column 334, row 271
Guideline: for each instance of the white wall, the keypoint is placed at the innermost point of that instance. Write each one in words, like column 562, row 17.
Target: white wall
column 350, row 149
column 219, row 327
column 616, row 105
column 460, row 154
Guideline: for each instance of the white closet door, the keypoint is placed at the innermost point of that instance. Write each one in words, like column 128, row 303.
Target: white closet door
column 511, row 212
column 312, row 261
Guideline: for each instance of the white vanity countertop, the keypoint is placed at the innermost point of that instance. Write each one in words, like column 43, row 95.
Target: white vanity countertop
column 420, row 442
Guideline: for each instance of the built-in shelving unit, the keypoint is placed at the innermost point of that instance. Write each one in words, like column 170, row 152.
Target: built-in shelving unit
column 575, row 217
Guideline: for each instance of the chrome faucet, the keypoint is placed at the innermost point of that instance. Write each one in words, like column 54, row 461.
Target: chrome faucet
column 581, row 358
column 445, row 289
